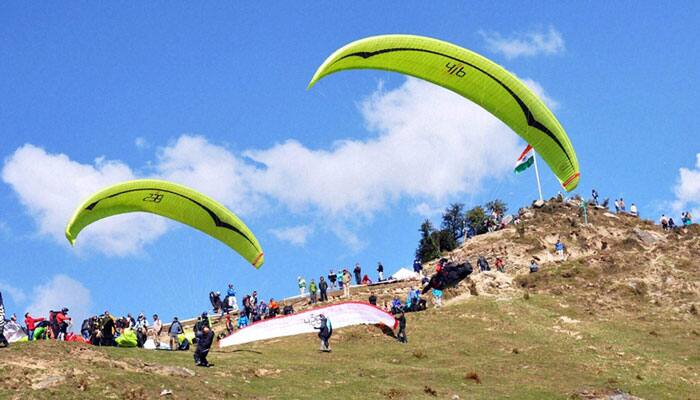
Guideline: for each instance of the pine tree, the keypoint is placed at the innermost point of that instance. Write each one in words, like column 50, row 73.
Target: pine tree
column 429, row 245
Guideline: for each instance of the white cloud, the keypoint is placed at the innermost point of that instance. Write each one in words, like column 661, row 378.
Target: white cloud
column 687, row 189
column 426, row 210
column 50, row 186
column 141, row 143
column 17, row 295
column 211, row 169
column 295, row 235
column 525, row 44
column 539, row 91
column 429, row 144
column 62, row 291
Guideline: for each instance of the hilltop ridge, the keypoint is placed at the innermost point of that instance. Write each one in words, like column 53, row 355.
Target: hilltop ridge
column 616, row 319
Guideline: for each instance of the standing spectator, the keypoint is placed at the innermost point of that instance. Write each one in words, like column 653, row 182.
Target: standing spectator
column 339, row 278
column 346, row 284
column 622, row 205
column 107, row 328
column 483, row 264
column 231, row 303
column 671, row 224
column 417, row 266
column 312, row 291
column 204, row 341
column 372, row 299
column 229, row 324
column 31, row 324
column 86, row 328
column 559, row 248
column 533, row 267
column 323, row 288
column 594, row 194
column 331, row 279
column 242, row 321
column 633, row 210
column 157, row 329
column 437, row 297
column 302, row 285
column 401, row 336
column 500, row 265
column 131, row 322
column 380, row 271
column 358, row 273
column 274, row 308
column 173, row 332
column 617, row 206
column 324, row 333
column 63, row 320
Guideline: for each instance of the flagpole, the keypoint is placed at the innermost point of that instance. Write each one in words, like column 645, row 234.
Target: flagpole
column 537, row 174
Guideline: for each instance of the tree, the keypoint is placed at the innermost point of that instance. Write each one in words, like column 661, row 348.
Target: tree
column 429, row 245
column 498, row 206
column 453, row 220
column 476, row 218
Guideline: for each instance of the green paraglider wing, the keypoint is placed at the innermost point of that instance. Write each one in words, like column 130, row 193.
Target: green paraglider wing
column 472, row 76
column 172, row 201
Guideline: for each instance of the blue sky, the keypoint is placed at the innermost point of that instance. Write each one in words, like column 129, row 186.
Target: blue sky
column 214, row 96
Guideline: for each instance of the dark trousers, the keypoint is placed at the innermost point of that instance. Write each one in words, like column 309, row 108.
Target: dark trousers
column 324, row 295
column 402, row 335
column 3, row 341
column 200, row 357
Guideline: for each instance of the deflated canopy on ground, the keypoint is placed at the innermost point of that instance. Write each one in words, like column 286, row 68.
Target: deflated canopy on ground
column 472, row 76
column 172, row 201
column 341, row 315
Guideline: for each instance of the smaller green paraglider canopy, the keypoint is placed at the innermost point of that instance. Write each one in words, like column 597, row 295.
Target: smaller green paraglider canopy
column 173, row 201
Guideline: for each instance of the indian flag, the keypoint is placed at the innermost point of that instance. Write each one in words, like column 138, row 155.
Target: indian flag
column 525, row 160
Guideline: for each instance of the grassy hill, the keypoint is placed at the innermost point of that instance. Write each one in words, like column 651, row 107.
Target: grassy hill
column 620, row 314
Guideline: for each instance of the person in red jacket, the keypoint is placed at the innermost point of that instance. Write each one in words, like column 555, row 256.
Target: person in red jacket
column 31, row 324
column 62, row 319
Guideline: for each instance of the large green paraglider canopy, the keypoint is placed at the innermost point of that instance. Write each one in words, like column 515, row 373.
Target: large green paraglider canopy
column 173, row 201
column 473, row 76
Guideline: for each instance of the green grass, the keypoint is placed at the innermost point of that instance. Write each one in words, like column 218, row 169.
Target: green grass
column 512, row 346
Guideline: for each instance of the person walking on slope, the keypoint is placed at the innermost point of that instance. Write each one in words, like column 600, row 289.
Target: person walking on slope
column 204, row 342
column 302, row 285
column 358, row 273
column 323, row 288
column 380, row 271
column 325, row 330
column 173, row 332
column 401, row 335
column 483, row 264
column 594, row 194
column 312, row 291
column 559, row 248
